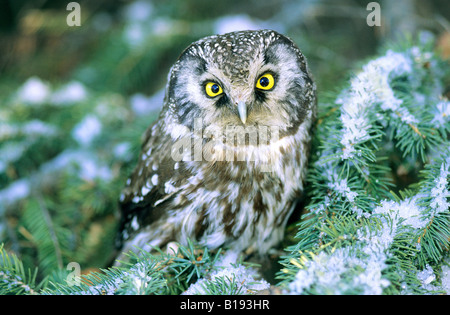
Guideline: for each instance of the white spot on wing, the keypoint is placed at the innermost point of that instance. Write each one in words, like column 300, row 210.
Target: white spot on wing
column 136, row 199
column 169, row 187
column 155, row 180
column 134, row 224
column 145, row 191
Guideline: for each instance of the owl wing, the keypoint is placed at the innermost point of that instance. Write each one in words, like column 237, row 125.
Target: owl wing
column 155, row 181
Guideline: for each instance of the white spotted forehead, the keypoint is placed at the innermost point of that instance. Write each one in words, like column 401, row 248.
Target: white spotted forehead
column 233, row 52
column 246, row 42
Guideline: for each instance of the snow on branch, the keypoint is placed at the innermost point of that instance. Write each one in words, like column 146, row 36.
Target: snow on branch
column 368, row 88
column 358, row 237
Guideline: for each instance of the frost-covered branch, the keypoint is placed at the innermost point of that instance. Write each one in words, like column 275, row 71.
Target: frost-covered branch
column 358, row 237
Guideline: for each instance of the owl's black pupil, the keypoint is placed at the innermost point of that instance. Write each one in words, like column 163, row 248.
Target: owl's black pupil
column 215, row 88
column 264, row 81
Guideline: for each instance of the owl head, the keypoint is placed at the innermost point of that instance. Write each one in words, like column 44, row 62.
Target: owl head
column 241, row 78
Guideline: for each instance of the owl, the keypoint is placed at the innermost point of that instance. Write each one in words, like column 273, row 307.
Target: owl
column 224, row 164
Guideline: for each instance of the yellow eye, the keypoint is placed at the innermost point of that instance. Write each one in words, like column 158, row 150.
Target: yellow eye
column 213, row 89
column 265, row 82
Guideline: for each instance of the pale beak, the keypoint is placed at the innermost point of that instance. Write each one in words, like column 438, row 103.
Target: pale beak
column 242, row 109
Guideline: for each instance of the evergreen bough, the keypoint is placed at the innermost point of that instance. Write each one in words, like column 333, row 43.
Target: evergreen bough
column 360, row 234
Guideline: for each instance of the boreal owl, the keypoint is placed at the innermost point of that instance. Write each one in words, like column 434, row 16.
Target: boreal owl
column 224, row 164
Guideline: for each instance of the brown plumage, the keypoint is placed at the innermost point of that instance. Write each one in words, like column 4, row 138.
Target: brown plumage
column 225, row 163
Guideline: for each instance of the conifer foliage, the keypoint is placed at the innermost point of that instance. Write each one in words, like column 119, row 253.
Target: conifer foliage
column 362, row 233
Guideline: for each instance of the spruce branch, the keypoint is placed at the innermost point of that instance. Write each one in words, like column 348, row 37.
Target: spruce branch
column 14, row 277
column 357, row 235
